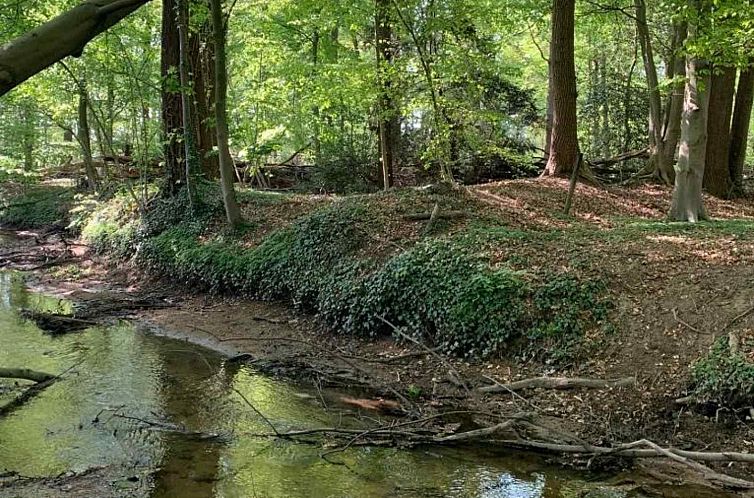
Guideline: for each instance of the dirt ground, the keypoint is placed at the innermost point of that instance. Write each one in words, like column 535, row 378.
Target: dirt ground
column 675, row 292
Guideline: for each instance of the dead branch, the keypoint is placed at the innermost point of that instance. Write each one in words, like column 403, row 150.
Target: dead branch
column 558, row 383
column 25, row 374
column 442, row 360
column 26, row 395
column 626, row 156
column 445, row 215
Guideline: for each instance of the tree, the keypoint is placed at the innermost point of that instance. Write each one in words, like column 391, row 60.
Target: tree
column 232, row 211
column 687, row 204
column 172, row 120
column 60, row 37
column 740, row 128
column 717, row 180
column 389, row 125
column 564, row 146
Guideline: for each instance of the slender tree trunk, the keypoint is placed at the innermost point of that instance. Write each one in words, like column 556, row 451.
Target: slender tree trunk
column 564, row 146
column 673, row 122
column 84, row 137
column 717, row 179
column 183, row 69
column 316, row 142
column 29, row 136
column 172, row 121
column 657, row 156
column 65, row 35
column 740, row 128
column 232, row 211
column 550, row 115
column 389, row 125
column 606, row 134
column 688, row 204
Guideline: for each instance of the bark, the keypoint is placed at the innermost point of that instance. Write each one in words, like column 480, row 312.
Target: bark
column 739, row 134
column 171, row 98
column 232, row 211
column 673, row 121
column 84, row 135
column 558, row 383
column 201, row 61
column 388, row 126
column 717, row 179
column 28, row 139
column 564, row 145
column 65, row 35
column 688, row 204
column 183, row 69
column 662, row 170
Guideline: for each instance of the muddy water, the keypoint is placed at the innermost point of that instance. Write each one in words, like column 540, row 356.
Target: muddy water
column 124, row 387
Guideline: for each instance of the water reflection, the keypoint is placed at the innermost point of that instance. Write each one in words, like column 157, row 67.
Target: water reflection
column 74, row 425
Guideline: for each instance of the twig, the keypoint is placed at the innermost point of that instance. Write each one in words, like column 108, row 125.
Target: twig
column 559, row 383
column 688, row 326
column 428, row 350
column 261, row 415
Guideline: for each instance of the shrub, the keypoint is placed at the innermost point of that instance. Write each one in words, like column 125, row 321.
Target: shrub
column 723, row 377
column 37, row 207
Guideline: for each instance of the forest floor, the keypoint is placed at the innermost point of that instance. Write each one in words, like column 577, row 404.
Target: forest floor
column 676, row 288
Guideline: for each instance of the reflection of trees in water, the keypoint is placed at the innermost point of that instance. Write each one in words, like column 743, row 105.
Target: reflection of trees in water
column 193, row 386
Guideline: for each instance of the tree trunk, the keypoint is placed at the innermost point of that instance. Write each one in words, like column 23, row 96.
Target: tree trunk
column 672, row 133
column 688, row 204
column 739, row 134
column 202, row 65
column 58, row 38
column 232, row 211
column 717, row 179
column 84, row 134
column 183, row 69
column 662, row 170
column 172, row 122
column 389, row 126
column 564, row 147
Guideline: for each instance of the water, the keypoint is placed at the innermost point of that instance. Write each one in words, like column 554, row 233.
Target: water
column 119, row 374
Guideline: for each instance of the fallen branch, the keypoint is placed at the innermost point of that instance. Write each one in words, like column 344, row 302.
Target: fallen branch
column 56, row 324
column 25, row 374
column 445, row 215
column 560, row 383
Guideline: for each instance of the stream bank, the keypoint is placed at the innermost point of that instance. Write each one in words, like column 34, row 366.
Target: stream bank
column 652, row 342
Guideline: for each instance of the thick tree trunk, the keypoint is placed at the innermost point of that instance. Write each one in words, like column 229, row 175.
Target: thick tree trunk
column 564, row 146
column 717, row 179
column 65, row 35
column 739, row 134
column 172, row 122
column 687, row 202
column 657, row 157
column 673, row 121
column 202, row 63
column 232, row 211
column 389, row 126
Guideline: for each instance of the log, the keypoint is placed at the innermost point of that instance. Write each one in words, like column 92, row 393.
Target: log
column 25, row 374
column 559, row 383
column 626, row 156
column 63, row 36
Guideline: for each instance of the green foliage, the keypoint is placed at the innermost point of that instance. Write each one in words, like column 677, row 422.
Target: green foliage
column 724, row 377
column 442, row 291
column 37, row 207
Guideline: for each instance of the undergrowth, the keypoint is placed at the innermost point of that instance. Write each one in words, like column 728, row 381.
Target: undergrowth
column 440, row 289
column 723, row 377
column 37, row 207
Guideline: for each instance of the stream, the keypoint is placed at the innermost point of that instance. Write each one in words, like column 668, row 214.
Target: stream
column 123, row 386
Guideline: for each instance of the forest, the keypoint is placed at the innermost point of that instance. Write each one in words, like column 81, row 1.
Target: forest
column 460, row 248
